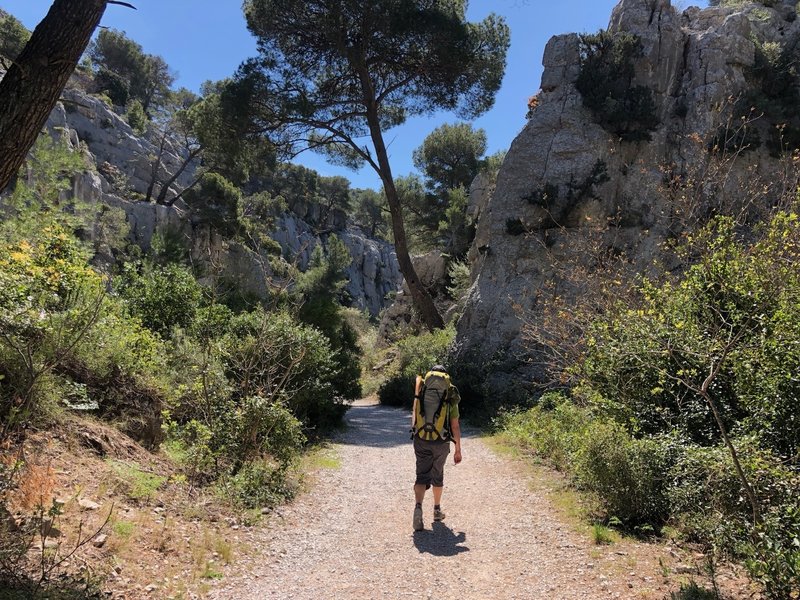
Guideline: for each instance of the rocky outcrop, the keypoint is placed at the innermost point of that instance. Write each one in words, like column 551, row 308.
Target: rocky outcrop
column 567, row 183
column 123, row 171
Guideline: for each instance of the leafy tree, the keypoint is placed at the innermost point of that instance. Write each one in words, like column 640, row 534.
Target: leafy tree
column 216, row 201
column 228, row 146
column 371, row 212
column 450, row 157
column 125, row 71
column 330, row 73
column 32, row 85
column 320, row 287
column 13, row 37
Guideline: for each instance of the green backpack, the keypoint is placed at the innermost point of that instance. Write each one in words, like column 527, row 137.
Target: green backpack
column 432, row 417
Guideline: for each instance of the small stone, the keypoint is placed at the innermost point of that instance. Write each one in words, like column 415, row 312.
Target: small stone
column 151, row 588
column 685, row 569
column 87, row 504
column 100, row 540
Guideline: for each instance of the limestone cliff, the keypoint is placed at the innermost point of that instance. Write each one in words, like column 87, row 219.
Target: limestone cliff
column 566, row 179
column 122, row 170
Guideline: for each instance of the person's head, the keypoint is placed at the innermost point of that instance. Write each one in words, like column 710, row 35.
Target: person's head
column 439, row 368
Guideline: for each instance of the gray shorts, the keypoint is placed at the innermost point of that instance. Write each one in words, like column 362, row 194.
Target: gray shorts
column 431, row 457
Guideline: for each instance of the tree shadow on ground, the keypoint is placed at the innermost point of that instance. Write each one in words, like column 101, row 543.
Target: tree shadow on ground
column 440, row 541
column 376, row 426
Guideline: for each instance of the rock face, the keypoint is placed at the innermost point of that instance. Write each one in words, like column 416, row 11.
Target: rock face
column 124, row 167
column 610, row 193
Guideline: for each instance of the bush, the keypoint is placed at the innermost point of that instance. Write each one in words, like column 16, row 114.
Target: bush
column 136, row 117
column 706, row 494
column 259, row 484
column 49, row 299
column 774, row 557
column 162, row 297
column 628, row 475
column 415, row 356
column 274, row 356
column 606, row 84
column 554, row 429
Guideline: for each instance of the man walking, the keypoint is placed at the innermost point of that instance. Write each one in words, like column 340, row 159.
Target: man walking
column 434, row 425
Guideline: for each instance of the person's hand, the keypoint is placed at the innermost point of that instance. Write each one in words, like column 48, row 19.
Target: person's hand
column 457, row 456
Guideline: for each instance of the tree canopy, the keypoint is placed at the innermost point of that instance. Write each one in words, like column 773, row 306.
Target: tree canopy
column 126, row 72
column 331, row 73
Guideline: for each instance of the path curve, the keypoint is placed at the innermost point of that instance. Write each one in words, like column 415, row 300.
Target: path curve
column 350, row 536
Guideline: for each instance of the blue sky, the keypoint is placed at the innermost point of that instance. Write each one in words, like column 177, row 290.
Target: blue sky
column 207, row 39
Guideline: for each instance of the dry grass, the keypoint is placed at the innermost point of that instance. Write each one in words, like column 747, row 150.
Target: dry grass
column 159, row 532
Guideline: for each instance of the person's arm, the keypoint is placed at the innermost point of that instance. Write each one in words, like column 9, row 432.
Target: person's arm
column 455, row 428
column 417, row 389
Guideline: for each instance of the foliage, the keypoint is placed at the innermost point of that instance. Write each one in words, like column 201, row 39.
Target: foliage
column 13, row 36
column 125, row 72
column 260, row 484
column 371, row 212
column 163, row 297
column 228, row 147
column 216, row 202
column 274, row 356
column 606, row 84
column 692, row 591
column 626, row 474
column 49, row 299
column 415, row 356
column 136, row 116
column 775, row 556
column 320, row 287
column 450, row 157
column 731, row 315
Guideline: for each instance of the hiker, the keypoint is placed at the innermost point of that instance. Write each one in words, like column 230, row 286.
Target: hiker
column 434, row 424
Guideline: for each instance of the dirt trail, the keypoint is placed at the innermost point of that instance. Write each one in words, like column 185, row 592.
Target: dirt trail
column 350, row 536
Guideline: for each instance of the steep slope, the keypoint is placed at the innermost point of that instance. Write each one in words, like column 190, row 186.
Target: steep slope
column 572, row 193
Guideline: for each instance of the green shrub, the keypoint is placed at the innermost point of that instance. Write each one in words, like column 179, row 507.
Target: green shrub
column 266, row 428
column 774, row 558
column 49, row 299
column 606, row 84
column 259, row 484
column 553, row 430
column 628, row 475
column 706, row 493
column 136, row 117
column 274, row 356
column 692, row 591
column 162, row 297
column 415, row 356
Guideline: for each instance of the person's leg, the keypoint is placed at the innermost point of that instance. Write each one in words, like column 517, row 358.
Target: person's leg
column 424, row 457
column 419, row 492
column 437, row 478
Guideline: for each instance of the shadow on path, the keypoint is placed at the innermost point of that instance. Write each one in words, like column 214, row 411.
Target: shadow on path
column 377, row 426
column 440, row 541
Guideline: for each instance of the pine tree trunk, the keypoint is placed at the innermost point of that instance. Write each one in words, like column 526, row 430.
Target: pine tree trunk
column 419, row 295
column 33, row 84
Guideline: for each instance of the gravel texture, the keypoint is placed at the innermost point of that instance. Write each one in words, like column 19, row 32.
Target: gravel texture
column 350, row 536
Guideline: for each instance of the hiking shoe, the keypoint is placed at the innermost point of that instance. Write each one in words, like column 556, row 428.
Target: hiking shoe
column 418, row 524
column 438, row 515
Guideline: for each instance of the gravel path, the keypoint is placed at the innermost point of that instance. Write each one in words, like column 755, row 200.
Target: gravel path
column 350, row 536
